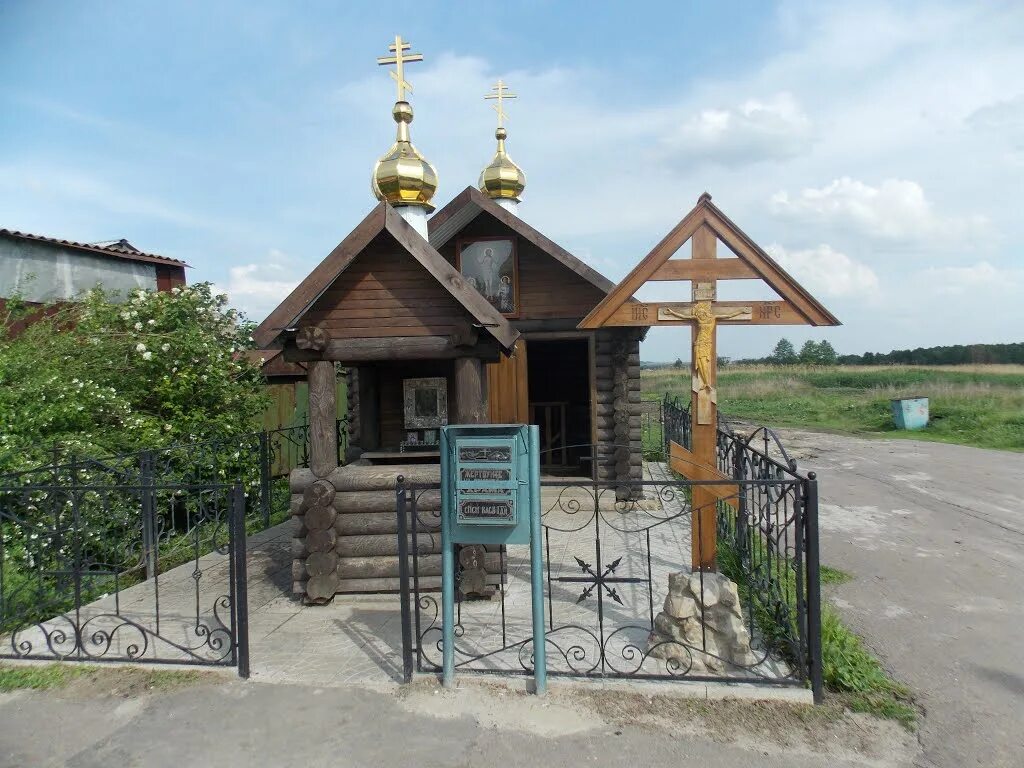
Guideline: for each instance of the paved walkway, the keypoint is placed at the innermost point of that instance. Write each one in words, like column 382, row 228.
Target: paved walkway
column 934, row 537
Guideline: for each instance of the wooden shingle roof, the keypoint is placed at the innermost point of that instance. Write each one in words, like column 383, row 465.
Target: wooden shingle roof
column 383, row 218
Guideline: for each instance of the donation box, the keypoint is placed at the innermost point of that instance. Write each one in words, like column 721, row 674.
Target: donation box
column 490, row 494
column 486, row 492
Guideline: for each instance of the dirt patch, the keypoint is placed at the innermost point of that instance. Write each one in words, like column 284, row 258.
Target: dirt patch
column 78, row 681
column 132, row 682
column 768, row 727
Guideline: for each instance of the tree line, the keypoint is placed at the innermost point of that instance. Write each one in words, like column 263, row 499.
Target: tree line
column 822, row 353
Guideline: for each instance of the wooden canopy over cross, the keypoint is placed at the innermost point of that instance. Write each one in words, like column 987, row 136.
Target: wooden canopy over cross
column 704, row 227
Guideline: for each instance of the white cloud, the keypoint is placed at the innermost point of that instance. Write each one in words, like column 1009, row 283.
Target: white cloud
column 827, row 271
column 257, row 289
column 897, row 209
column 1005, row 115
column 979, row 280
column 46, row 185
column 752, row 131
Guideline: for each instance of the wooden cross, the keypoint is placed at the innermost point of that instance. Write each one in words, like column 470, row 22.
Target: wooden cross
column 500, row 93
column 399, row 47
column 704, row 226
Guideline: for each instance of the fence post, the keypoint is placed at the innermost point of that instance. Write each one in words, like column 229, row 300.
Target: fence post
column 265, row 477
column 741, row 505
column 665, row 432
column 148, row 494
column 240, row 592
column 403, row 574
column 813, row 588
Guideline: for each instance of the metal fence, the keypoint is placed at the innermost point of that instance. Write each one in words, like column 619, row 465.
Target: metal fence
column 662, row 422
column 150, row 572
column 259, row 461
column 621, row 600
column 141, row 556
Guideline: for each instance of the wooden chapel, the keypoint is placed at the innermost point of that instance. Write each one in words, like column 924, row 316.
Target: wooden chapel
column 469, row 316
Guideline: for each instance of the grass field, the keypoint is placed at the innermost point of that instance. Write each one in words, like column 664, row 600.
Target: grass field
column 980, row 405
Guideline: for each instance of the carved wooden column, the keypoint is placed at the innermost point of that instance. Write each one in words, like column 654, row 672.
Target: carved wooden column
column 470, row 392
column 323, row 410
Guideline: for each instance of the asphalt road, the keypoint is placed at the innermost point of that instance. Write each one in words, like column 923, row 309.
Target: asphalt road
column 263, row 725
column 934, row 535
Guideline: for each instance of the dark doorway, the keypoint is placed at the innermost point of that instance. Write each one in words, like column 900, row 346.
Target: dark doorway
column 559, row 387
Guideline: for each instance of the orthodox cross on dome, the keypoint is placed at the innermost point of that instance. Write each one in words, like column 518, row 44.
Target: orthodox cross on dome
column 399, row 47
column 500, row 93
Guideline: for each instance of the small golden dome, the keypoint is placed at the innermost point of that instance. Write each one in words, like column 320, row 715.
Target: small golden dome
column 502, row 179
column 403, row 176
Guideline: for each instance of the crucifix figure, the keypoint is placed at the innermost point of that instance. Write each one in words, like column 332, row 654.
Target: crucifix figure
column 399, row 47
column 500, row 94
column 705, row 315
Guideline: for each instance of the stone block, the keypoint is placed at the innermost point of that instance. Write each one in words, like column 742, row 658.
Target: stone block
column 701, row 626
column 679, row 606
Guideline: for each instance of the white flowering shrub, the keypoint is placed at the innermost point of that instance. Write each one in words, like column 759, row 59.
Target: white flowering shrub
column 99, row 378
column 161, row 372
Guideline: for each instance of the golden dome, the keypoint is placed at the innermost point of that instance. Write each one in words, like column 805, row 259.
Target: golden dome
column 403, row 176
column 502, row 179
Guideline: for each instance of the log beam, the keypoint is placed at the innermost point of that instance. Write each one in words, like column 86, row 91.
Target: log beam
column 685, row 463
column 323, row 410
column 354, row 351
column 691, row 269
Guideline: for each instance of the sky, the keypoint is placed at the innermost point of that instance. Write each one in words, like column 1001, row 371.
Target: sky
column 876, row 150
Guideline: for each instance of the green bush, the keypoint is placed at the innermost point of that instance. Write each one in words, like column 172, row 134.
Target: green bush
column 87, row 387
column 104, row 376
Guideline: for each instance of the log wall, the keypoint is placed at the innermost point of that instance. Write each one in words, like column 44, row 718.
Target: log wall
column 345, row 531
column 617, row 410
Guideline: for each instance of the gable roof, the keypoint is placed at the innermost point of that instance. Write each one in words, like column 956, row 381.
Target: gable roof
column 750, row 254
column 470, row 202
column 120, row 249
column 383, row 218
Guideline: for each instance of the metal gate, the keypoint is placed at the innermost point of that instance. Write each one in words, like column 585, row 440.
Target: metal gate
column 110, row 572
column 617, row 574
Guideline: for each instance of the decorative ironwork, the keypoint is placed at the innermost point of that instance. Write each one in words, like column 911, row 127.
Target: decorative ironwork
column 595, row 579
column 258, row 460
column 117, row 572
column 608, row 628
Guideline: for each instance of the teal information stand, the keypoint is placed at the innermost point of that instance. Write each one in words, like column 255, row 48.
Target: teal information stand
column 490, row 494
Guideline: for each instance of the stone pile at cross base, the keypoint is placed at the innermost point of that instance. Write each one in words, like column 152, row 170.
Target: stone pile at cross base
column 701, row 625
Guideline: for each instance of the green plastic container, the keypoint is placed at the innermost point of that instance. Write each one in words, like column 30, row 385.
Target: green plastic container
column 910, row 413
